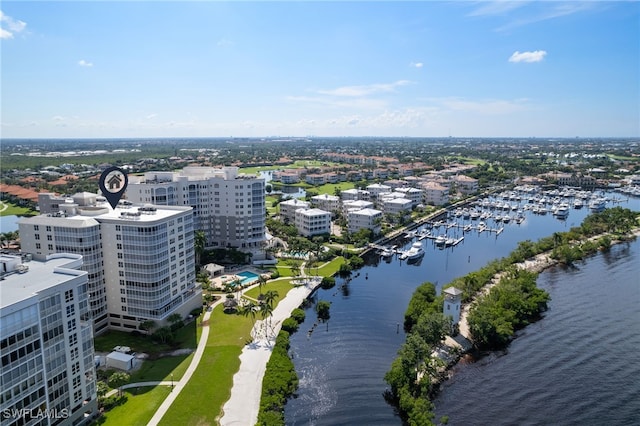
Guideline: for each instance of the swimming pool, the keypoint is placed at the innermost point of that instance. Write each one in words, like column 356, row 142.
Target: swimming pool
column 247, row 277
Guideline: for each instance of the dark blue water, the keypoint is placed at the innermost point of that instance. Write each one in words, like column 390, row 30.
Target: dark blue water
column 341, row 365
column 577, row 366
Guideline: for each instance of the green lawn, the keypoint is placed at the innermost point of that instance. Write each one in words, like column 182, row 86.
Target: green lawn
column 185, row 338
column 210, row 387
column 332, row 267
column 162, row 368
column 282, row 286
column 141, row 405
column 330, row 188
column 12, row 209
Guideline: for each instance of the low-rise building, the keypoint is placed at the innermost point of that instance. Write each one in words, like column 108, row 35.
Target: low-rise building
column 288, row 208
column 413, row 194
column 312, row 222
column 397, row 205
column 364, row 219
column 356, row 205
column 330, row 203
column 466, row 184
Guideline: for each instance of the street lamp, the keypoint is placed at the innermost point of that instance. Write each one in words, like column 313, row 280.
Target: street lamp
column 171, row 382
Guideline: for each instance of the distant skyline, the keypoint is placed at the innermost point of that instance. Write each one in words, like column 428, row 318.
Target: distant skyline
column 118, row 69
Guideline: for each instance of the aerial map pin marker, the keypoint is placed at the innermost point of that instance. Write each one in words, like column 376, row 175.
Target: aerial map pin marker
column 113, row 182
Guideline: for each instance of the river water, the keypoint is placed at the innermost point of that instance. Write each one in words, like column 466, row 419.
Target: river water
column 341, row 364
column 579, row 365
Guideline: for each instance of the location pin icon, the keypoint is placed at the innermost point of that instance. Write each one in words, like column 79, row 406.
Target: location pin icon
column 113, row 182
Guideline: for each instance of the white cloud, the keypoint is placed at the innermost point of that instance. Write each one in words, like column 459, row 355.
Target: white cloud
column 416, row 64
column 535, row 56
column 365, row 89
column 151, row 116
column 10, row 26
column 84, row 63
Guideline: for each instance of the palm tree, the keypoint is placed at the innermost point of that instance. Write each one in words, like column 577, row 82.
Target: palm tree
column 200, row 241
column 249, row 310
column 261, row 282
column 270, row 297
column 266, row 310
column 148, row 325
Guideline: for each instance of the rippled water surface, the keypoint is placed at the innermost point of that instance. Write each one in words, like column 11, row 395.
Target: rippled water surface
column 341, row 365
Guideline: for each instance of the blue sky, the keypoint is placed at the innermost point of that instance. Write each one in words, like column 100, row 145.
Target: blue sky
column 431, row 69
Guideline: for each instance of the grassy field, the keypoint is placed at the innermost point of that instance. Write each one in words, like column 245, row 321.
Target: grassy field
column 12, row 209
column 141, row 405
column 282, row 286
column 162, row 369
column 185, row 338
column 330, row 188
column 299, row 164
column 209, row 388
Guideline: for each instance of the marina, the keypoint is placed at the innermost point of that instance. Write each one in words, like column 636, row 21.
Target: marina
column 341, row 369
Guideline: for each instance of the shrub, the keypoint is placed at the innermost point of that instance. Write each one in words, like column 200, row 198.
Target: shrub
column 290, row 325
column 328, row 282
column 298, row 315
column 322, row 309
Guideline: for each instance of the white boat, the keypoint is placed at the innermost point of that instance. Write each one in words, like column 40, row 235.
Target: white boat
column 597, row 204
column 562, row 211
column 440, row 240
column 387, row 252
column 414, row 252
column 578, row 203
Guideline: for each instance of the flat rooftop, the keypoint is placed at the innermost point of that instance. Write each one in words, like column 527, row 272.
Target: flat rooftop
column 39, row 276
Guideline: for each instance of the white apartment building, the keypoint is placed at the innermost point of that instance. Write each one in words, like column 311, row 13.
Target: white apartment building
column 355, row 194
column 466, row 184
column 312, row 222
column 46, row 340
column 288, row 208
column 46, row 234
column 364, row 219
column 356, row 205
column 376, row 189
column 140, row 260
column 435, row 194
column 229, row 207
column 413, row 194
column 396, row 205
column 330, row 203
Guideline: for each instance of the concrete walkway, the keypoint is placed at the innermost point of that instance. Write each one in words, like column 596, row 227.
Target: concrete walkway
column 180, row 384
column 244, row 403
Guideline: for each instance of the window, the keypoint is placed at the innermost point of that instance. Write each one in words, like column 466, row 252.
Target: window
column 37, row 236
column 68, row 296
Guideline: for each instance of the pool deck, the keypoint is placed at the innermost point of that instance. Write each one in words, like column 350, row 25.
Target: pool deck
column 220, row 281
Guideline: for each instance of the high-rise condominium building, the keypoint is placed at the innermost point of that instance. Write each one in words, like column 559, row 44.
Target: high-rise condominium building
column 140, row 259
column 46, row 340
column 229, row 207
